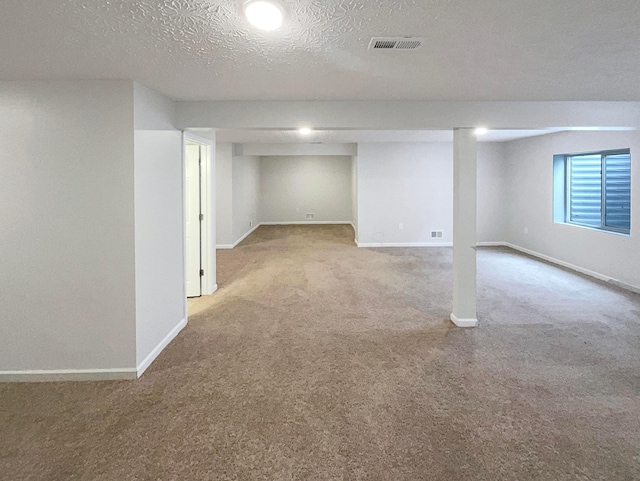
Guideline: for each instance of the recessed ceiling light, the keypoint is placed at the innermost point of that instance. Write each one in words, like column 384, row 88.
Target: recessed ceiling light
column 481, row 131
column 265, row 15
column 304, row 131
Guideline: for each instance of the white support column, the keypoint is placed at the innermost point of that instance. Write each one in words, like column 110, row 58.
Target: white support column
column 464, row 228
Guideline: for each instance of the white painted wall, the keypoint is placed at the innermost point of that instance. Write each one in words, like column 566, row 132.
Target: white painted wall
column 412, row 184
column 246, row 186
column 408, row 183
column 300, row 149
column 224, row 194
column 292, row 186
column 159, row 243
column 491, row 192
column 405, row 114
column 67, row 285
column 354, row 195
column 529, row 177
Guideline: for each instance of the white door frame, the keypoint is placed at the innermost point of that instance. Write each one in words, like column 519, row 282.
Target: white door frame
column 195, row 154
column 208, row 251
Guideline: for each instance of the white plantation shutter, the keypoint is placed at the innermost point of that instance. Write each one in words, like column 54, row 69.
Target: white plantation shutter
column 617, row 173
column 585, row 187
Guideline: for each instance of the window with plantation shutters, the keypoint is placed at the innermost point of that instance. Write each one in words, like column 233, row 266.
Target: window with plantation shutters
column 596, row 190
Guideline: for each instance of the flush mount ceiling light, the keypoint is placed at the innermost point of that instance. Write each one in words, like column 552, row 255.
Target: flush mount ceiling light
column 265, row 15
column 481, row 131
column 304, row 131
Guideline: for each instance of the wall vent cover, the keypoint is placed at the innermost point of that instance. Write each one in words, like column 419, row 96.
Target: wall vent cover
column 395, row 43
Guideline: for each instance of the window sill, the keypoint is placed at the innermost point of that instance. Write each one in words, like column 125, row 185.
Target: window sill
column 595, row 229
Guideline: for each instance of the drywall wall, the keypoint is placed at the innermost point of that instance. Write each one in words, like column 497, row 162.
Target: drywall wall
column 299, row 149
column 354, row 195
column 412, row 184
column 404, row 183
column 246, row 185
column 67, row 283
column 224, row 195
column 491, row 192
column 292, row 186
column 237, row 195
column 529, row 200
column 404, row 114
column 159, row 245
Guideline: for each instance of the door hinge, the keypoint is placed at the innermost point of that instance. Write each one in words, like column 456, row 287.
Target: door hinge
column 201, row 217
column 201, row 272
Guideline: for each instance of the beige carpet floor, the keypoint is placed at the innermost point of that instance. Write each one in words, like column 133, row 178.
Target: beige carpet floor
column 321, row 361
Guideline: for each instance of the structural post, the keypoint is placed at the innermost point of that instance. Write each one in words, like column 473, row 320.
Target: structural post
column 464, row 228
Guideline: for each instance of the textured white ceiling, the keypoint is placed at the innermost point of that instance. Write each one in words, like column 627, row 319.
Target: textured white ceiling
column 204, row 49
column 351, row 136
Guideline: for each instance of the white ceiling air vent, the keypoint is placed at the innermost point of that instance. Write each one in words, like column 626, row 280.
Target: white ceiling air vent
column 395, row 43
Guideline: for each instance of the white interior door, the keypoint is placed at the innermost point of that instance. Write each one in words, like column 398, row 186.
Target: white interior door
column 192, row 214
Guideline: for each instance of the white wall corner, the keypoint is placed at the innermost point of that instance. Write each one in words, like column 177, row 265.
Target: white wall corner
column 355, row 237
column 247, row 234
column 146, row 362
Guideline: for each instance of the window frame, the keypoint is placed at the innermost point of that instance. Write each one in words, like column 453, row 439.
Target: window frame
column 566, row 187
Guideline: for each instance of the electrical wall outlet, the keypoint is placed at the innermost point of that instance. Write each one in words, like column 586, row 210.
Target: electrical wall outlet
column 400, row 226
column 309, row 216
column 526, row 231
column 436, row 234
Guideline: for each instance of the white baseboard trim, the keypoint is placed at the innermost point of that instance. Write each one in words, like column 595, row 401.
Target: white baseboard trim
column 573, row 267
column 142, row 367
column 215, row 288
column 463, row 322
column 623, row 285
column 320, row 222
column 247, row 234
column 404, row 244
column 553, row 260
column 308, row 222
column 355, row 231
column 117, row 374
column 51, row 375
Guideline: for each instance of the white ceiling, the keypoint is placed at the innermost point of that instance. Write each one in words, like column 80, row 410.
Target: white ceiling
column 352, row 136
column 204, row 49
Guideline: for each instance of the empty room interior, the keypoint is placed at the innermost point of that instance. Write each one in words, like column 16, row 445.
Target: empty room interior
column 304, row 240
